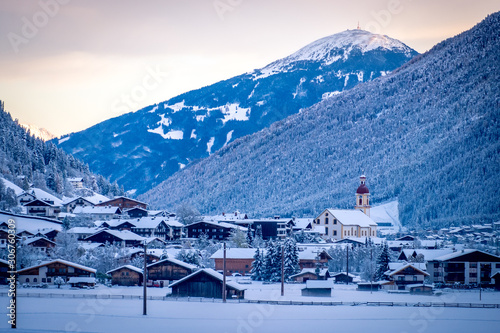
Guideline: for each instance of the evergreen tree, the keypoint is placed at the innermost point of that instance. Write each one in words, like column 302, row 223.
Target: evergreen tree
column 258, row 241
column 257, row 266
column 291, row 264
column 383, row 263
column 249, row 235
column 272, row 262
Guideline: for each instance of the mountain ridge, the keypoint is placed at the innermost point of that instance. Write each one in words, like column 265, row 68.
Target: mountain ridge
column 158, row 140
column 427, row 133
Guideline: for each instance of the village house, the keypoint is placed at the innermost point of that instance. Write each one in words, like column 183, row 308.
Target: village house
column 404, row 274
column 120, row 238
column 98, row 212
column 77, row 182
column 238, row 260
column 123, row 203
column 168, row 270
column 311, row 257
column 467, row 266
column 41, row 244
column 214, row 230
column 126, row 275
column 163, row 228
column 206, row 283
column 136, row 212
column 47, row 272
column 39, row 207
column 310, row 274
column 69, row 206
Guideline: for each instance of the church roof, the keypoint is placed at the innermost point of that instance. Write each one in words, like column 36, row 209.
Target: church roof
column 362, row 189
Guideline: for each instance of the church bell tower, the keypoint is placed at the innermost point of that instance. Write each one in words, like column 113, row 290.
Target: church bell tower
column 363, row 196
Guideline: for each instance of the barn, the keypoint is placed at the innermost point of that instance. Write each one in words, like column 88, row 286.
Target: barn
column 126, row 275
column 168, row 270
column 206, row 283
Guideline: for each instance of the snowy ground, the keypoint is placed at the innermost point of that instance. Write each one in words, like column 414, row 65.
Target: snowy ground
column 122, row 315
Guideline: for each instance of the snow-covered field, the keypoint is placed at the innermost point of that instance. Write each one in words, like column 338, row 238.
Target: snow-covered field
column 125, row 315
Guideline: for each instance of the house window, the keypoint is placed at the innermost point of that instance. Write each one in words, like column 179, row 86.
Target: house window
column 497, row 265
column 326, row 230
column 360, row 201
column 335, row 232
column 326, row 220
column 414, row 278
column 44, row 280
column 27, row 280
column 334, row 221
column 49, row 280
column 35, row 280
column 326, row 214
column 401, row 278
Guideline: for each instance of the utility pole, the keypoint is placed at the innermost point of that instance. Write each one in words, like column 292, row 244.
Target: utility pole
column 371, row 270
column 347, row 264
column 224, row 275
column 282, row 270
column 144, row 280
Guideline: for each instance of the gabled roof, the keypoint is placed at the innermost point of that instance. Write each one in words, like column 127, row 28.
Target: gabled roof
column 34, row 239
column 123, row 235
column 319, row 284
column 39, row 202
column 310, row 253
column 61, row 261
column 322, row 272
column 456, row 256
column 352, row 217
column 132, row 268
column 235, row 253
column 97, row 210
column 124, row 198
column 176, row 262
column 211, row 272
column 220, row 224
column 42, row 195
column 405, row 266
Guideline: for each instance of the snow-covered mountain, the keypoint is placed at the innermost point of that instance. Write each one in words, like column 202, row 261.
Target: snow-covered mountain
column 37, row 132
column 428, row 135
column 141, row 149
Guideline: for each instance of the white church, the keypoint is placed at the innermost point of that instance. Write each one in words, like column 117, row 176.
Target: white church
column 345, row 223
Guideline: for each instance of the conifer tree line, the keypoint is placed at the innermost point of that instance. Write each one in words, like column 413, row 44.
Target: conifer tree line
column 267, row 262
column 41, row 164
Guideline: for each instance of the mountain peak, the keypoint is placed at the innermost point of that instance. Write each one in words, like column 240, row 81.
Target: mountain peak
column 338, row 47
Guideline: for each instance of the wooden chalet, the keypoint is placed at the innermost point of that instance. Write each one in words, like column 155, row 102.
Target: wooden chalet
column 342, row 277
column 206, row 283
column 310, row 274
column 121, row 238
column 310, row 257
column 47, row 272
column 214, row 230
column 404, row 274
column 41, row 244
column 126, row 275
column 136, row 212
column 238, row 260
column 168, row 270
column 70, row 206
column 124, row 203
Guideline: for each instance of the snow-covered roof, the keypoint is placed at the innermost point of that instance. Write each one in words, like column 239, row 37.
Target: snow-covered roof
column 83, row 230
column 42, row 195
column 398, row 267
column 96, row 198
column 123, row 235
column 235, row 253
column 95, row 210
column 319, row 284
column 302, row 223
column 75, row 179
column 428, row 254
column 212, row 273
column 221, row 224
column 310, row 253
column 34, row 239
column 456, row 254
column 342, row 273
column 174, row 261
column 8, row 184
column 61, row 261
column 31, row 223
column 89, row 246
column 352, row 217
column 322, row 272
column 132, row 268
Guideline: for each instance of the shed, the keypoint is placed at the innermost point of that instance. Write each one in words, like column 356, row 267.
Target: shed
column 206, row 283
column 168, row 270
column 420, row 289
column 342, row 277
column 307, row 274
column 318, row 288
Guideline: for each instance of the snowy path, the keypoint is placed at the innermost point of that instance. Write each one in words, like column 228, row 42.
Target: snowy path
column 105, row 315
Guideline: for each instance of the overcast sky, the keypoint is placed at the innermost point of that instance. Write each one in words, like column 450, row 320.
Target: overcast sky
column 66, row 65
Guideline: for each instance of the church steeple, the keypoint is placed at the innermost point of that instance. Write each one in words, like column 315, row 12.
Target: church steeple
column 363, row 196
